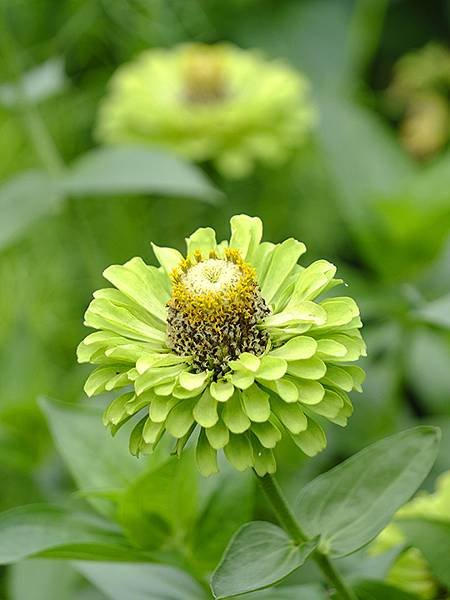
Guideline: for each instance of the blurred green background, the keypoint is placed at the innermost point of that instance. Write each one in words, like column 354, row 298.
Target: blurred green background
column 359, row 194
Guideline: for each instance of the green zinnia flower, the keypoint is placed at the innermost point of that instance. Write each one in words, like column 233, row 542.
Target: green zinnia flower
column 215, row 102
column 411, row 571
column 230, row 341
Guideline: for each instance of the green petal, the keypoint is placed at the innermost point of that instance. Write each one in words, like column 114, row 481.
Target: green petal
column 157, row 376
column 218, row 435
column 116, row 411
column 267, row 433
column 206, row 456
column 330, row 348
column 239, row 452
column 221, row 390
column 291, row 415
column 311, row 368
column 193, row 381
column 353, row 344
column 309, row 392
column 180, row 418
column 161, row 406
column 205, row 410
column 305, row 312
column 261, row 260
column 168, row 258
column 203, row 240
column 136, row 442
column 150, row 361
column 285, row 388
column 337, row 376
column 340, row 311
column 329, row 406
column 246, row 234
column 263, row 459
column 271, row 368
column 165, row 389
column 142, row 283
column 234, row 416
column 98, row 379
column 152, row 431
column 312, row 441
column 256, row 404
column 249, row 361
column 242, row 379
column 312, row 281
column 357, row 374
column 297, row 348
column 284, row 259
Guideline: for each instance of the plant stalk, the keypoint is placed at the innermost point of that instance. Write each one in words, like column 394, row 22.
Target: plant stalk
column 292, row 527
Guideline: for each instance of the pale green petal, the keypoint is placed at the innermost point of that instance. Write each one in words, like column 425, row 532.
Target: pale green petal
column 142, row 283
column 97, row 380
column 218, row 435
column 297, row 348
column 202, row 240
column 206, row 456
column 152, row 431
column 156, row 376
column 233, row 415
column 284, row 259
column 116, row 411
column 180, row 418
column 311, row 368
column 118, row 381
column 309, row 392
column 354, row 346
column 168, row 258
column 267, row 433
column 242, row 379
column 328, row 348
column 271, row 368
column 150, row 361
column 165, row 389
column 305, row 313
column 291, row 415
column 329, row 406
column 239, row 452
column 312, row 281
column 221, row 390
column 285, row 388
column 205, row 410
column 249, row 361
column 340, row 311
column 357, row 374
column 261, row 260
column 193, row 381
column 256, row 404
column 246, row 234
column 337, row 376
column 161, row 406
column 136, row 442
column 312, row 441
column 263, row 459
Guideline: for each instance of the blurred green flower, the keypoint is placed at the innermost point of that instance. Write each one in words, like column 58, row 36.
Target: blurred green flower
column 231, row 341
column 410, row 571
column 217, row 103
column 420, row 89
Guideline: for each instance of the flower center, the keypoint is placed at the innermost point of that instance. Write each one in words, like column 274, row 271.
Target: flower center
column 215, row 310
column 204, row 75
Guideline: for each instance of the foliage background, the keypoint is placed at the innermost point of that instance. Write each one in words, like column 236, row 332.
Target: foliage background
column 353, row 195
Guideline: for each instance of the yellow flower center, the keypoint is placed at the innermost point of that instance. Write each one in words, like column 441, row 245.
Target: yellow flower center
column 204, row 75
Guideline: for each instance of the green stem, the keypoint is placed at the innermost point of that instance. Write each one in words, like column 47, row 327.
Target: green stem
column 290, row 524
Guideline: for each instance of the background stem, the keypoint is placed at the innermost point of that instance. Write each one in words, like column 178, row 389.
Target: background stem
column 290, row 524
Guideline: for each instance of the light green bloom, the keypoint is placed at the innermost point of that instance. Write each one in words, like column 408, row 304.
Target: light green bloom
column 232, row 342
column 217, row 103
column 410, row 571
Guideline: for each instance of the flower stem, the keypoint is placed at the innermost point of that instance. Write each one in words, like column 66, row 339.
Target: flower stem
column 290, row 524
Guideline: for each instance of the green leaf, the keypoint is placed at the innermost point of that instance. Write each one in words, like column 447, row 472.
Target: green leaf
column 377, row 590
column 24, row 200
column 95, row 460
column 301, row 592
column 137, row 170
column 39, row 579
column 350, row 504
column 142, row 582
column 38, row 530
column 259, row 555
column 161, row 503
column 433, row 540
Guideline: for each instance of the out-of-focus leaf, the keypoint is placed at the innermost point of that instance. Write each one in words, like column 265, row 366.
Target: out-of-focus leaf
column 24, row 200
column 230, row 504
column 436, row 312
column 259, row 555
column 377, row 590
column 350, row 504
column 39, row 83
column 288, row 592
column 142, row 582
column 96, row 462
column 137, row 170
column 161, row 503
column 428, row 357
column 37, row 530
column 433, row 540
column 41, row 580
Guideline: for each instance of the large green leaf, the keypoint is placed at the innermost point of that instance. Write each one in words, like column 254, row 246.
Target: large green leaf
column 24, row 200
column 38, row 530
column 289, row 592
column 229, row 504
column 41, row 580
column 137, row 170
column 161, row 503
column 259, row 555
column 142, row 582
column 97, row 462
column 433, row 540
column 350, row 504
